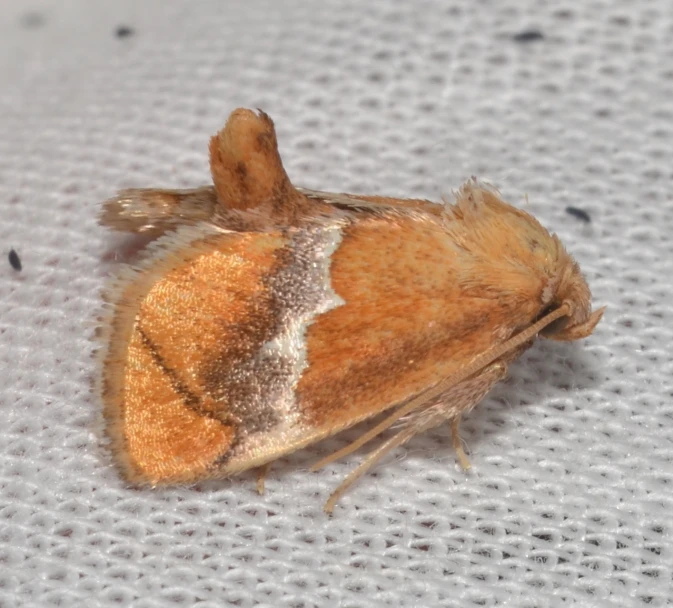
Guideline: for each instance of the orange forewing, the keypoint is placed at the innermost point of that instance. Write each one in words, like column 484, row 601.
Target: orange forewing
column 177, row 315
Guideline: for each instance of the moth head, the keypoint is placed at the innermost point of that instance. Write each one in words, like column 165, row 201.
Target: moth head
column 569, row 290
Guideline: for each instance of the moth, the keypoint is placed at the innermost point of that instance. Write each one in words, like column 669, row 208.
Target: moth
column 264, row 317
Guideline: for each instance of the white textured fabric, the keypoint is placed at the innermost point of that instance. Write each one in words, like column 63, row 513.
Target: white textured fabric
column 570, row 499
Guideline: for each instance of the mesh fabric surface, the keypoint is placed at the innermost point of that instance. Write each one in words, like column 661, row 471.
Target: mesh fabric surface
column 570, row 497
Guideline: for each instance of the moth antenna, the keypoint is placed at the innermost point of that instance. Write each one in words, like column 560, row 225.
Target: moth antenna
column 479, row 363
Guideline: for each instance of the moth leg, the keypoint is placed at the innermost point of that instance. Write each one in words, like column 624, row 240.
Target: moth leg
column 261, row 476
column 458, row 444
column 455, row 402
column 154, row 211
column 372, row 458
column 449, row 405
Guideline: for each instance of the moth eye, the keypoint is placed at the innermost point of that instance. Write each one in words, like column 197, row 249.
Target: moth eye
column 545, row 311
column 555, row 326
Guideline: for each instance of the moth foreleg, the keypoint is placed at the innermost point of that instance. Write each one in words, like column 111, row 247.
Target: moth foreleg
column 449, row 405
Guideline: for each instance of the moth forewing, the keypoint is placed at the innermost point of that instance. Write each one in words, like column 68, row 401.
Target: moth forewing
column 156, row 210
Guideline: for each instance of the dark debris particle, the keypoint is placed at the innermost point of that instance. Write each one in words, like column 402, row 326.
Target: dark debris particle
column 32, row 20
column 124, row 31
column 14, row 260
column 528, row 36
column 580, row 214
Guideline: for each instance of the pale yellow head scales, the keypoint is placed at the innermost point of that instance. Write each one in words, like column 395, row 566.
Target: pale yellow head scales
column 508, row 248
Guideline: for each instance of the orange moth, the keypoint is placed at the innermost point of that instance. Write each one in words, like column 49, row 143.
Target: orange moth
column 265, row 317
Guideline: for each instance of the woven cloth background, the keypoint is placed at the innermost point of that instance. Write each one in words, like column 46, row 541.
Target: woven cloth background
column 570, row 499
